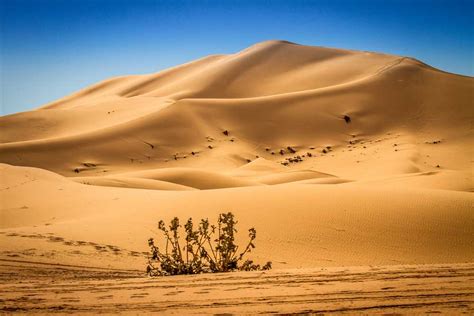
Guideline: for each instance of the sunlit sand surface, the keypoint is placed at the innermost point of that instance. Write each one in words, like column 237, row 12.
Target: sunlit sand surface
column 355, row 168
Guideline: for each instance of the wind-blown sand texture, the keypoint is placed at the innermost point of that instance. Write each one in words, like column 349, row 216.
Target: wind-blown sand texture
column 388, row 290
column 338, row 158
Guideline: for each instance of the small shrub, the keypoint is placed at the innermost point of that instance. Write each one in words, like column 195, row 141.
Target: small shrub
column 208, row 248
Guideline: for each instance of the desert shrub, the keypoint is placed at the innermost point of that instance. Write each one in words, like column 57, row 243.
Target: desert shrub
column 291, row 149
column 208, row 248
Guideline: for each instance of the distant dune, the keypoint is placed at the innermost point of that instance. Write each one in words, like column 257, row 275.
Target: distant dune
column 337, row 157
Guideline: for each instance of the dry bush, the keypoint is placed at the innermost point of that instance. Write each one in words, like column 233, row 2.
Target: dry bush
column 208, row 248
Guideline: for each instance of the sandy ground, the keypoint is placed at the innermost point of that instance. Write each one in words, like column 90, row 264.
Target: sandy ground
column 340, row 159
column 421, row 289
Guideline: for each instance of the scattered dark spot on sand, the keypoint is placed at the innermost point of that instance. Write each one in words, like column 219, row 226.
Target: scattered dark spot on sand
column 100, row 248
column 55, row 239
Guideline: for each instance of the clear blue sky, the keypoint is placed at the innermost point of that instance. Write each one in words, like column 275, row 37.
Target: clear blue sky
column 50, row 48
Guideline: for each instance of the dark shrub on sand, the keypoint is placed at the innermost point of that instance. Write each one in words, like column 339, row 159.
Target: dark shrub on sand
column 206, row 248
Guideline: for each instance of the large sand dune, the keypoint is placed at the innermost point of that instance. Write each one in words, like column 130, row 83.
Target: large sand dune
column 337, row 157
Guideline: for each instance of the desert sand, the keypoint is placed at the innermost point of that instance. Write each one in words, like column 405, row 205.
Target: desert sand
column 354, row 167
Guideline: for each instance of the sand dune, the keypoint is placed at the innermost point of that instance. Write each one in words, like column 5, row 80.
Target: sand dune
column 129, row 182
column 336, row 157
column 299, row 225
column 195, row 178
column 274, row 94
